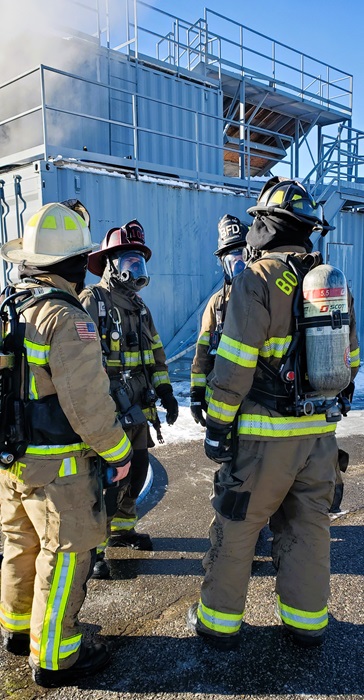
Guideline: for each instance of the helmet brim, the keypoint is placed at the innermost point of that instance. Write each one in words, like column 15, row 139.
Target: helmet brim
column 14, row 252
column 232, row 246
column 96, row 264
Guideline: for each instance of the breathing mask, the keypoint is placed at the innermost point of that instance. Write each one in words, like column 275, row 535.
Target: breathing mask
column 233, row 263
column 131, row 269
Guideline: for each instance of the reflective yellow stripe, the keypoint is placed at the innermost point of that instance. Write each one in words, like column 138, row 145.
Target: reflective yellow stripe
column 266, row 426
column 355, row 358
column 198, row 379
column 303, row 619
column 204, row 339
column 160, row 378
column 69, row 646
column 133, row 359
column 218, row 621
column 101, row 547
column 123, row 524
column 157, row 343
column 55, row 609
column 239, row 353
column 33, row 392
column 14, row 622
column 56, row 449
column 222, row 411
column 68, row 467
column 36, row 354
column 275, row 347
column 119, row 452
column 150, row 413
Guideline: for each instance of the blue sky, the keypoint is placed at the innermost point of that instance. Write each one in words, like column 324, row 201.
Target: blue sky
column 328, row 30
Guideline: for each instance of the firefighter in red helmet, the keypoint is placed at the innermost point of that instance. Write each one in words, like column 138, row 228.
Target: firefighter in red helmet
column 135, row 362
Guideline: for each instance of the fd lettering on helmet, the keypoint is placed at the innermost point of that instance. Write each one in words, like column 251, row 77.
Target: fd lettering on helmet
column 230, row 229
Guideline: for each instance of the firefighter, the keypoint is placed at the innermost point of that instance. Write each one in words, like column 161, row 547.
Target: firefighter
column 270, row 458
column 135, row 362
column 52, row 509
column 231, row 241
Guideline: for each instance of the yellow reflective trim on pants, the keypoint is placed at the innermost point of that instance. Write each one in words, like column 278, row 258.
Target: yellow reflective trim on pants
column 14, row 622
column 68, row 467
column 282, row 427
column 228, row 623
column 222, row 411
column 303, row 619
column 275, row 347
column 55, row 609
column 123, row 524
column 69, row 646
column 238, row 353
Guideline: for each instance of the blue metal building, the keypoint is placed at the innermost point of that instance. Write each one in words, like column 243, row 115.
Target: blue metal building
column 177, row 122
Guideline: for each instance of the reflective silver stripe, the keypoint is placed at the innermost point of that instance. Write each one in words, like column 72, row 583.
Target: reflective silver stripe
column 37, row 354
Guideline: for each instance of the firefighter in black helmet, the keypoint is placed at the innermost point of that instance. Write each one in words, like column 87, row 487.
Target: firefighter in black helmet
column 271, row 457
column 230, row 245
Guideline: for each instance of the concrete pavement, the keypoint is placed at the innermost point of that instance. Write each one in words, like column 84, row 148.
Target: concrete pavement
column 141, row 611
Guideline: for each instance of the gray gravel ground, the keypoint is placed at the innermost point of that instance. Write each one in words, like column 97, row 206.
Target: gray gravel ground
column 141, row 611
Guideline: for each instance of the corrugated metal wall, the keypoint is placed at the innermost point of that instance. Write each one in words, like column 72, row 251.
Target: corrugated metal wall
column 344, row 248
column 180, row 223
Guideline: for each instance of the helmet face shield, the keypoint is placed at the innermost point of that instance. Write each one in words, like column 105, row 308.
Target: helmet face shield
column 306, row 206
column 233, row 263
column 131, row 268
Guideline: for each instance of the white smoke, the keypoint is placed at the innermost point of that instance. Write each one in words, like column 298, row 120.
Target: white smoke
column 61, row 34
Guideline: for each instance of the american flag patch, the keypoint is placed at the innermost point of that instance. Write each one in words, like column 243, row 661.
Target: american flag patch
column 86, row 330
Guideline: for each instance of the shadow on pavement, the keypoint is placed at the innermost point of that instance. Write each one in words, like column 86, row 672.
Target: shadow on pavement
column 267, row 663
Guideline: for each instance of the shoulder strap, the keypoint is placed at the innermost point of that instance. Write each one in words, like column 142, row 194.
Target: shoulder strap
column 44, row 293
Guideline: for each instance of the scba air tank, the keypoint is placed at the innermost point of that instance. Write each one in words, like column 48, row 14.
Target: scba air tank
column 325, row 307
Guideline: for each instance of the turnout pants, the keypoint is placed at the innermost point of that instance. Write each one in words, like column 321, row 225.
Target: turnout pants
column 51, row 531
column 121, row 501
column 296, row 479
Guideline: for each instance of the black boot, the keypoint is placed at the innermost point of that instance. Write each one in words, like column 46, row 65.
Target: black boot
column 16, row 642
column 306, row 641
column 92, row 659
column 225, row 643
column 101, row 569
column 133, row 539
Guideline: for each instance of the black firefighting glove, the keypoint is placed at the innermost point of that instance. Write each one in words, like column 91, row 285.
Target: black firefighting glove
column 169, row 402
column 346, row 398
column 348, row 392
column 198, row 404
column 216, row 445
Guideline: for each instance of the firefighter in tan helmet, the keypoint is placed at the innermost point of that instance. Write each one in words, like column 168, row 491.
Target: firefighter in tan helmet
column 52, row 508
column 273, row 455
column 135, row 362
